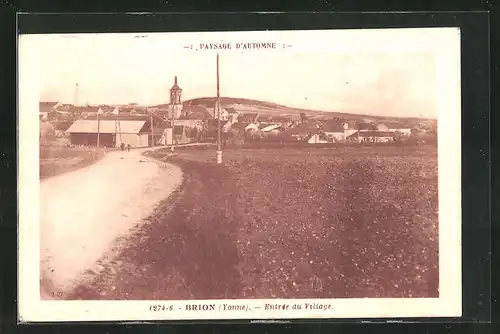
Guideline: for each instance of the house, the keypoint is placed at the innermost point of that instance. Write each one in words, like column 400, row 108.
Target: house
column 364, row 126
column 232, row 111
column 371, row 137
column 302, row 130
column 317, row 138
column 269, row 128
column 162, row 136
column 252, row 127
column 210, row 128
column 398, row 128
column 333, row 130
column 248, row 118
column 111, row 133
column 45, row 108
column 84, row 111
column 276, row 119
column 193, row 117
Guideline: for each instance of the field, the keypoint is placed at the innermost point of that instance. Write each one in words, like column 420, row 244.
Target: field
column 347, row 222
column 56, row 160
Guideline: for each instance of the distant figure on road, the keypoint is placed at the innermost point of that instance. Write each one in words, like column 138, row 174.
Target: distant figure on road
column 122, row 146
column 128, row 147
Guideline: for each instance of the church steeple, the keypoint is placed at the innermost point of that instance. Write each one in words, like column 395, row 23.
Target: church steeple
column 175, row 100
column 175, row 93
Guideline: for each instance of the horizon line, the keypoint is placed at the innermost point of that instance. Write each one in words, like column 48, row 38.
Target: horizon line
column 245, row 98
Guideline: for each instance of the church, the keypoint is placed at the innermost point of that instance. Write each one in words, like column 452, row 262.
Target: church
column 175, row 106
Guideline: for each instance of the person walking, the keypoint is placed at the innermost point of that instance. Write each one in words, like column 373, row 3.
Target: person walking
column 128, row 147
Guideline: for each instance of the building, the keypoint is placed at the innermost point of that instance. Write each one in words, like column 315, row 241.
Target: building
column 247, row 118
column 111, row 133
column 371, row 137
column 45, row 108
column 317, row 138
column 399, row 128
column 334, row 131
column 175, row 106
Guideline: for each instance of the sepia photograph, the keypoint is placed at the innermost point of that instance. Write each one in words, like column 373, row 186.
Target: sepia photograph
column 249, row 175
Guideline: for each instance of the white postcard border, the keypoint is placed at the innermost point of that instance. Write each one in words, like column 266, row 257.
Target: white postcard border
column 444, row 42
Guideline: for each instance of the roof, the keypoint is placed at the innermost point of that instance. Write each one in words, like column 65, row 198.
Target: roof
column 231, row 110
column 366, row 126
column 158, row 120
column 332, row 126
column 270, row 127
column 196, row 112
column 106, row 126
column 175, row 86
column 47, row 106
column 321, row 136
column 372, row 134
column 275, row 118
column 80, row 109
column 248, row 117
column 306, row 127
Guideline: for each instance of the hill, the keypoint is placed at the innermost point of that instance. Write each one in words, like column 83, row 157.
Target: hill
column 269, row 108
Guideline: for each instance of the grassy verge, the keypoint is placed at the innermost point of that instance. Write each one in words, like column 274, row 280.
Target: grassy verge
column 287, row 223
column 58, row 160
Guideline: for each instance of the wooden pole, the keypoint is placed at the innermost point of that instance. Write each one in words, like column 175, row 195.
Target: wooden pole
column 98, row 128
column 173, row 130
column 116, row 130
column 119, row 126
column 152, row 132
column 219, row 146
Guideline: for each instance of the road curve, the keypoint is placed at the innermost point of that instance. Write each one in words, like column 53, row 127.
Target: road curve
column 84, row 211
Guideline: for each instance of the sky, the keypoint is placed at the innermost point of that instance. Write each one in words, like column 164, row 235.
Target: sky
column 124, row 68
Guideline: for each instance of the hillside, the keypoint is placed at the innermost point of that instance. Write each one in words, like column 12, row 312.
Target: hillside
column 270, row 108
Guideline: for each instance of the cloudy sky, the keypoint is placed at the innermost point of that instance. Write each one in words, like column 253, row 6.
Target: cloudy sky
column 118, row 69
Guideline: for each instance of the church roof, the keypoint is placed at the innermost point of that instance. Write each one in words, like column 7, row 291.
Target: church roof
column 175, row 86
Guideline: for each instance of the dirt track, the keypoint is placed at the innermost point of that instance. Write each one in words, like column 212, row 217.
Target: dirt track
column 85, row 211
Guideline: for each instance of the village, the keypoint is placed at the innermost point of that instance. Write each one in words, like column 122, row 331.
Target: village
column 195, row 121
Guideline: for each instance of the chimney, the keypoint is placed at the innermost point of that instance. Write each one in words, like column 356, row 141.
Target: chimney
column 175, row 80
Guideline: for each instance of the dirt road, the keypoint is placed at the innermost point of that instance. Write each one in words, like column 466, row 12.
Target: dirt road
column 85, row 211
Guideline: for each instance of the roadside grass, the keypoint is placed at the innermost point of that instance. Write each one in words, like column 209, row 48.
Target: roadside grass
column 55, row 160
column 350, row 222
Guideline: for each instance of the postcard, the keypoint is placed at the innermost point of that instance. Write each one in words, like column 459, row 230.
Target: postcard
column 240, row 175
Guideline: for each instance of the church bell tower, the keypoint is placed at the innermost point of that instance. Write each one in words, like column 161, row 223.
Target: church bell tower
column 175, row 107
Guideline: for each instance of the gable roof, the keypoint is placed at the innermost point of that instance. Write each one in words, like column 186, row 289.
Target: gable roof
column 79, row 109
column 47, row 106
column 275, row 118
column 306, row 127
column 196, row 112
column 332, row 126
column 366, row 126
column 378, row 134
column 248, row 117
column 106, row 126
column 270, row 127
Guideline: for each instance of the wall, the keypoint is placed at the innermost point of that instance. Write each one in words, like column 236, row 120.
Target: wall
column 135, row 140
column 336, row 136
column 406, row 132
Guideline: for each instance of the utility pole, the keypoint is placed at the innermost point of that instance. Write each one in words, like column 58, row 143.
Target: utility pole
column 173, row 131
column 219, row 148
column 152, row 132
column 99, row 112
